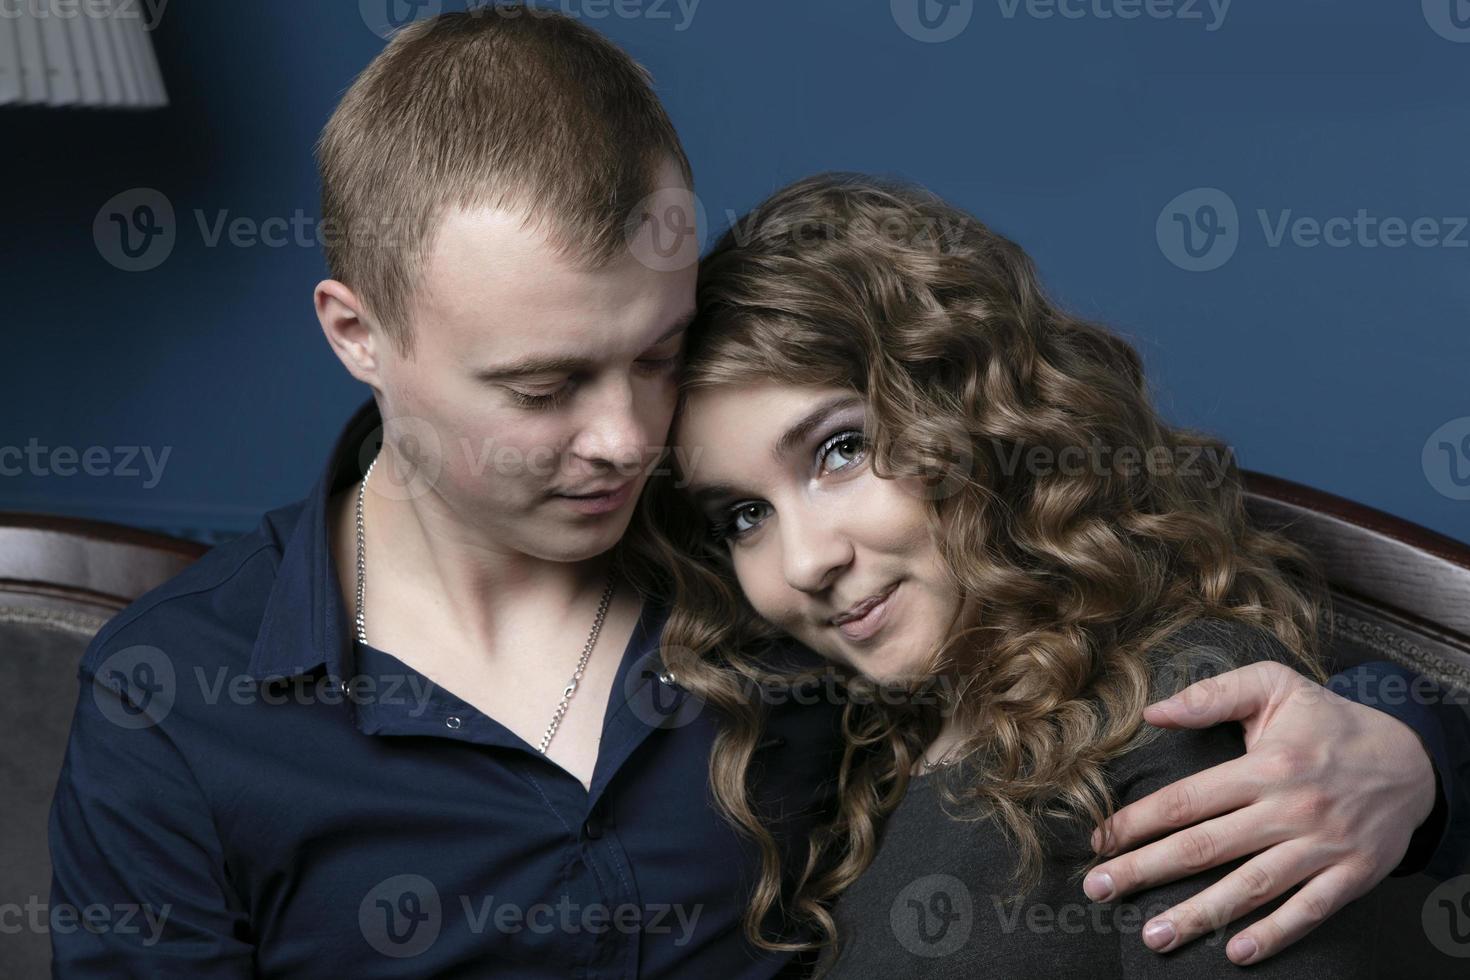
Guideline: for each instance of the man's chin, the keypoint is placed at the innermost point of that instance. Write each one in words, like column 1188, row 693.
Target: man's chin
column 573, row 542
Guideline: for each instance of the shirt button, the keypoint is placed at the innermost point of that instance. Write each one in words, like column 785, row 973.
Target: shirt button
column 594, row 827
column 452, row 721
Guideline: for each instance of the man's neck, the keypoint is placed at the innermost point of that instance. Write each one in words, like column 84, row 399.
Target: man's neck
column 504, row 636
column 421, row 558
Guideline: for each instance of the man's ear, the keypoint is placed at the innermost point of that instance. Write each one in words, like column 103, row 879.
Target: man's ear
column 345, row 323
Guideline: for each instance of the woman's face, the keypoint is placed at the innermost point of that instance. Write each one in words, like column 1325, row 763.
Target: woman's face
column 842, row 560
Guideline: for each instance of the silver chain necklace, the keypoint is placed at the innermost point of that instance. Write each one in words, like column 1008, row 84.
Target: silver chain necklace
column 571, row 688
column 941, row 763
column 946, row 760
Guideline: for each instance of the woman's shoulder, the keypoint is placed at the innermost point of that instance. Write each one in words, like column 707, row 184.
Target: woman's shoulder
column 1199, row 650
column 1210, row 646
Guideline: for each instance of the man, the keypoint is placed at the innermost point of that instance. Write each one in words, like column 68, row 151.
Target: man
column 416, row 724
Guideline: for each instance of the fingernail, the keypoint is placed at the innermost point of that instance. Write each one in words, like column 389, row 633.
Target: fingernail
column 1099, row 886
column 1158, row 933
column 1242, row 949
column 1096, row 840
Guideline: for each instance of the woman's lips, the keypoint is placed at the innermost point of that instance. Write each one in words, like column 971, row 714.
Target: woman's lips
column 871, row 621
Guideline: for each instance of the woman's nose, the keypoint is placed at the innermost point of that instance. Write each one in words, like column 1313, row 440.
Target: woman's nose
column 814, row 551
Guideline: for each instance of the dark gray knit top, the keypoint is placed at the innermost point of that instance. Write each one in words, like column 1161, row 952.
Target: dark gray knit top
column 934, row 903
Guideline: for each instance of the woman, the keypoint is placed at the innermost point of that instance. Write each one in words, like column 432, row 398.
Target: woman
column 895, row 450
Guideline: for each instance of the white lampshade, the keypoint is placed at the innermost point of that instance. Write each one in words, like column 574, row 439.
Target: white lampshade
column 94, row 53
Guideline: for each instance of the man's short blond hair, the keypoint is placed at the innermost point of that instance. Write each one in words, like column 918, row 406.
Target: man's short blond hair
column 508, row 107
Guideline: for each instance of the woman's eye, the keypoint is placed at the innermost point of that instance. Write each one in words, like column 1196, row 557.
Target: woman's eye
column 841, row 451
column 739, row 520
column 747, row 517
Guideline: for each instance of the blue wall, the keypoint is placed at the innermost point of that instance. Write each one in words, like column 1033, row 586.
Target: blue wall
column 1330, row 365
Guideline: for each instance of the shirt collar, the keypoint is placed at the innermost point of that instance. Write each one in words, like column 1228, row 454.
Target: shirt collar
column 305, row 624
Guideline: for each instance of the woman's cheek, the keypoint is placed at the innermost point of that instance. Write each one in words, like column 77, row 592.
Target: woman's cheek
column 758, row 574
column 903, row 515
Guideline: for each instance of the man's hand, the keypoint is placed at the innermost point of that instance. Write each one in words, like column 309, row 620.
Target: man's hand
column 1329, row 792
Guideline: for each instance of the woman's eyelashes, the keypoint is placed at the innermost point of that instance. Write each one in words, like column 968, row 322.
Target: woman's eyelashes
column 845, row 448
column 739, row 520
column 842, row 451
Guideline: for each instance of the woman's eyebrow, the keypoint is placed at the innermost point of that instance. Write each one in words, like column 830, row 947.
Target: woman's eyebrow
column 803, row 427
column 708, row 493
column 711, row 493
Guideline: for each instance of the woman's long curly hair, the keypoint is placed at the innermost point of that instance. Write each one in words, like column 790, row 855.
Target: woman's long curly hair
column 1070, row 572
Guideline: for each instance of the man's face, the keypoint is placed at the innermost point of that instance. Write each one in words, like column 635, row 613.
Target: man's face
column 539, row 394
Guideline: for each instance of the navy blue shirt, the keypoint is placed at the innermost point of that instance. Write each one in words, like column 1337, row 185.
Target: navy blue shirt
column 249, row 792
column 230, row 811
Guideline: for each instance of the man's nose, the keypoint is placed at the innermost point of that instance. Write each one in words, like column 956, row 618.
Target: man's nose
column 611, row 433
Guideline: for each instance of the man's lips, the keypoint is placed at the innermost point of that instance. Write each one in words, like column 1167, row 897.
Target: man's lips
column 600, row 492
column 599, row 502
column 861, row 609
